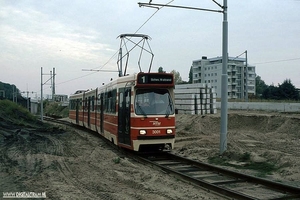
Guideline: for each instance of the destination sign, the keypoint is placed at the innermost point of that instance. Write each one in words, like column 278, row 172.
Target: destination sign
column 155, row 78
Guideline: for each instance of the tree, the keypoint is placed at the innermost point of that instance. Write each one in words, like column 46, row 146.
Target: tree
column 260, row 86
column 270, row 92
column 9, row 91
column 284, row 91
column 177, row 77
column 288, row 91
column 161, row 70
column 191, row 75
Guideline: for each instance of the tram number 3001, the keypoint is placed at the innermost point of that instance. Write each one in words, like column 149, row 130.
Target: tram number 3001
column 155, row 131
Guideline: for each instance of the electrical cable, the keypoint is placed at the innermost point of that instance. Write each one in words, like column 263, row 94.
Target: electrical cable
column 275, row 61
column 114, row 53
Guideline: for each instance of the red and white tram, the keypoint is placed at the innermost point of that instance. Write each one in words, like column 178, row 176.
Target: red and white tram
column 134, row 112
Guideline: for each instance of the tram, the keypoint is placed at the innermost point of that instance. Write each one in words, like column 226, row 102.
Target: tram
column 134, row 112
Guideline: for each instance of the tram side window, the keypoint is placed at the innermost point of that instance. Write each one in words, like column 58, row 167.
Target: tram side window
column 110, row 101
column 85, row 104
column 105, row 102
column 72, row 104
column 114, row 101
column 80, row 105
column 99, row 102
column 93, row 103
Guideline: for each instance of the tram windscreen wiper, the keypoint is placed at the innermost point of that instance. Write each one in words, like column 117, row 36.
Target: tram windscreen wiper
column 169, row 108
column 141, row 110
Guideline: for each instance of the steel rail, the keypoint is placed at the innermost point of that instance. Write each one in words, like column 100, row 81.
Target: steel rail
column 187, row 168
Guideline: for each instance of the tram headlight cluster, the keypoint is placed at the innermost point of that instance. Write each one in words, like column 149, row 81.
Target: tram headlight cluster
column 169, row 131
column 143, row 132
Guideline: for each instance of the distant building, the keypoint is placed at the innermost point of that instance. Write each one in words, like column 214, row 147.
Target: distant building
column 62, row 98
column 241, row 80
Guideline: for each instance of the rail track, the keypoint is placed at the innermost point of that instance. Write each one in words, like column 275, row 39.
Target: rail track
column 225, row 182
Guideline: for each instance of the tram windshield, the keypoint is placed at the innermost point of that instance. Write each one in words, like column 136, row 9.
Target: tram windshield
column 153, row 102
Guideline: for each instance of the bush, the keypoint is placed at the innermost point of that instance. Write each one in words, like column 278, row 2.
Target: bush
column 10, row 111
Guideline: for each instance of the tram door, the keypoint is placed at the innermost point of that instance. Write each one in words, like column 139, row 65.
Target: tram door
column 89, row 111
column 124, row 116
column 77, row 110
column 101, row 113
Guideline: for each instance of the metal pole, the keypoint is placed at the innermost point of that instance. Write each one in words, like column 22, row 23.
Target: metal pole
column 42, row 94
column 51, row 77
column 53, row 86
column 246, row 96
column 120, row 56
column 224, row 92
column 224, row 84
column 27, row 101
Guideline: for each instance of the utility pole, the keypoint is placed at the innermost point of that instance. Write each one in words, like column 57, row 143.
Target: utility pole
column 27, row 96
column 244, row 77
column 246, row 95
column 53, row 84
column 224, row 86
column 224, row 93
column 42, row 104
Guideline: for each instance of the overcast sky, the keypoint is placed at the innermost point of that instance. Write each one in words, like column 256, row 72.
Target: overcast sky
column 72, row 35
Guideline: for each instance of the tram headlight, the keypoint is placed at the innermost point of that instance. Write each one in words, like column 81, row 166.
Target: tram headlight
column 143, row 132
column 169, row 131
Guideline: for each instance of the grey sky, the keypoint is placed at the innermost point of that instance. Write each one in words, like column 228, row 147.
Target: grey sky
column 75, row 35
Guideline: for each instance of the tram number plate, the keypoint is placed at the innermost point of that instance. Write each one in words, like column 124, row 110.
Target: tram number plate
column 155, row 131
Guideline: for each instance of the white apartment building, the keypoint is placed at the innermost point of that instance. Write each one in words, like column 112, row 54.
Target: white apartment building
column 241, row 79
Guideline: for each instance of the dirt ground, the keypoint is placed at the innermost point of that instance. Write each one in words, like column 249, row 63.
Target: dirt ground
column 68, row 164
column 267, row 137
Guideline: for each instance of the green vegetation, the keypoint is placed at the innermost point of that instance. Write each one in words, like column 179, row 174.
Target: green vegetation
column 284, row 91
column 117, row 160
column 7, row 91
column 15, row 113
column 243, row 161
column 54, row 109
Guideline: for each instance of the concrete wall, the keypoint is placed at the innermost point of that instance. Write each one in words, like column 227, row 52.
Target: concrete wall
column 198, row 98
column 280, row 107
